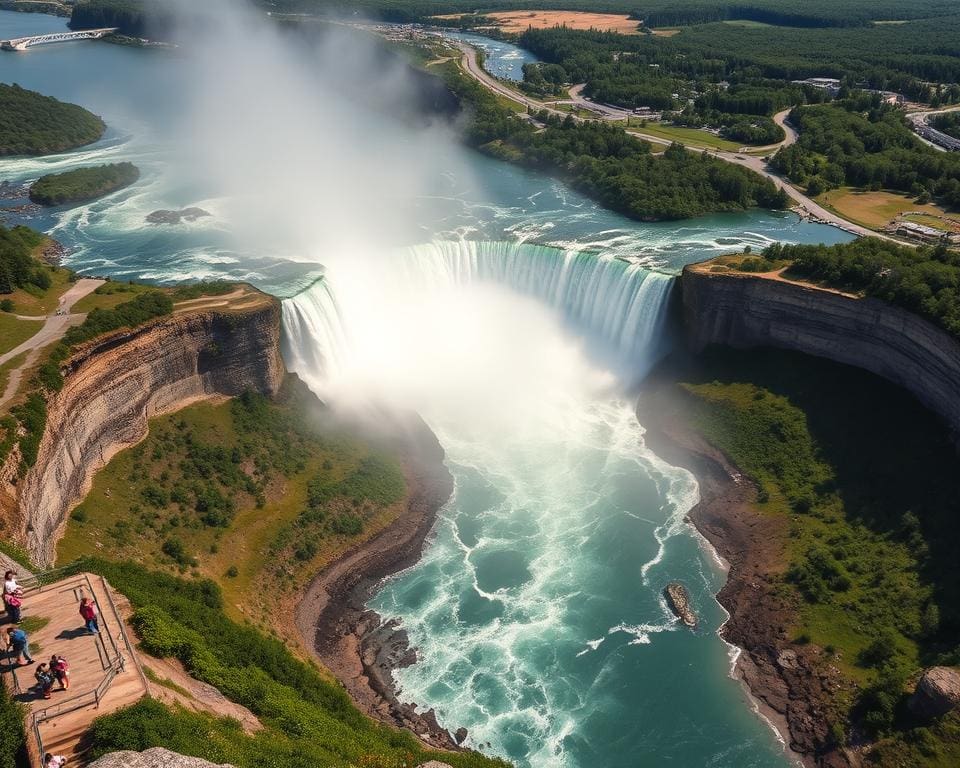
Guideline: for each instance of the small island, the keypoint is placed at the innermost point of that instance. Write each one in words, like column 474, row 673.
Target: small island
column 679, row 602
column 34, row 124
column 83, row 184
column 176, row 217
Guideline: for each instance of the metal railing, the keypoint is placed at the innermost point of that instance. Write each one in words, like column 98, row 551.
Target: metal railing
column 114, row 659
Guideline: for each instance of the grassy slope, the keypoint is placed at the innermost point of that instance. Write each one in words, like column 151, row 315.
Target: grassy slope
column 868, row 479
column 876, row 209
column 13, row 331
column 36, row 301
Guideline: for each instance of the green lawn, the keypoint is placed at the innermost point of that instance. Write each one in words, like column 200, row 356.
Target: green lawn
column 13, row 331
column 37, row 302
column 110, row 294
column 693, row 137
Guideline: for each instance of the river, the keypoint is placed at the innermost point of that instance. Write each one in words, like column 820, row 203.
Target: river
column 501, row 311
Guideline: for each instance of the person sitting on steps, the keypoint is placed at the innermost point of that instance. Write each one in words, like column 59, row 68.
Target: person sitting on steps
column 61, row 670
column 44, row 680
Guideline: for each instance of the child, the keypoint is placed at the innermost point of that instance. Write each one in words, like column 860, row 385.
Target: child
column 88, row 610
column 54, row 761
column 17, row 644
column 61, row 670
column 44, row 680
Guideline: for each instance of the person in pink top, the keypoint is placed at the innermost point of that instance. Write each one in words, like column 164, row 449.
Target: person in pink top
column 88, row 610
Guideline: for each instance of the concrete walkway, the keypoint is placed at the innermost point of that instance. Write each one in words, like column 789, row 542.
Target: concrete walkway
column 53, row 329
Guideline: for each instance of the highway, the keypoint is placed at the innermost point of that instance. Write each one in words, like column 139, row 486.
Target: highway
column 806, row 206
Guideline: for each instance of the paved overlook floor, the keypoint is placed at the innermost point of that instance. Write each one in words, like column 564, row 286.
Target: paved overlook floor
column 91, row 658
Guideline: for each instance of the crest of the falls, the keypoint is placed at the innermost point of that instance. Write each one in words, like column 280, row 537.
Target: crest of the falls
column 620, row 306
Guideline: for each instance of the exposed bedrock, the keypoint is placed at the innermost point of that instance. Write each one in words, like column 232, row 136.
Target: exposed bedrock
column 744, row 311
column 115, row 384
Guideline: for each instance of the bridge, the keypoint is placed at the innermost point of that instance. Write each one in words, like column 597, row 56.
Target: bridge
column 22, row 43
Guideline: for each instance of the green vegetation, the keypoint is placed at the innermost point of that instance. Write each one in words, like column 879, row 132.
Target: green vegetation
column 310, row 719
column 83, row 184
column 258, row 491
column 14, row 332
column 922, row 280
column 603, row 162
column 32, row 124
column 18, row 268
column 949, row 123
column 861, row 142
column 871, row 502
column 13, row 754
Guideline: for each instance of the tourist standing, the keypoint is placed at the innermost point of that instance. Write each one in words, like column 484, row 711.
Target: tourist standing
column 12, row 597
column 61, row 670
column 54, row 761
column 17, row 642
column 88, row 610
column 44, row 680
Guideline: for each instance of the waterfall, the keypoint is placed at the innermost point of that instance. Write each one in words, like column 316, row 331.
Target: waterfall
column 618, row 305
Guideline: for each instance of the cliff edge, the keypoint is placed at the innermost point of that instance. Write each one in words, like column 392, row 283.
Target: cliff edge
column 746, row 310
column 114, row 384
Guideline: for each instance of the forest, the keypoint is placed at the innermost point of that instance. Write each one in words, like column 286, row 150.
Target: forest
column 18, row 268
column 949, row 123
column 83, row 184
column 922, row 280
column 33, row 124
column 609, row 166
column 862, row 142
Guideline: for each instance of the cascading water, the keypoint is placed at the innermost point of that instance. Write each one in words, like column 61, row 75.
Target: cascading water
column 537, row 607
column 615, row 302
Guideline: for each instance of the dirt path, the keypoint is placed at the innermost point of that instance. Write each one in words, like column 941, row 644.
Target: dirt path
column 53, row 329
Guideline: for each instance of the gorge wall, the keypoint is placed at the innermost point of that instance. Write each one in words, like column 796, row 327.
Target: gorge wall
column 115, row 384
column 743, row 310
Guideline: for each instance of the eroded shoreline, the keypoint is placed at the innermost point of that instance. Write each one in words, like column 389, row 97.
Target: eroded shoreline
column 332, row 618
column 782, row 680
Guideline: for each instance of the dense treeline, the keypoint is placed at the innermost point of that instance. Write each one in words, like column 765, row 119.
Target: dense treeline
column 18, row 268
column 33, row 124
column 131, row 16
column 862, row 142
column 83, row 184
column 812, row 13
column 922, row 280
column 604, row 163
column 948, row 123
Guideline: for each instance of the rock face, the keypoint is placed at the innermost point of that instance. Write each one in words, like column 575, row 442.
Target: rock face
column 175, row 217
column 114, row 384
column 152, row 758
column 744, row 311
column 679, row 602
column 938, row 692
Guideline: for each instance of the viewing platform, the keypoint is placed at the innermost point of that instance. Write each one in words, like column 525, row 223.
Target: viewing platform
column 105, row 673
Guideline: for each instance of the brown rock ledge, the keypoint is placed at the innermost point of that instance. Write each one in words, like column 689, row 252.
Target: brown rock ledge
column 789, row 683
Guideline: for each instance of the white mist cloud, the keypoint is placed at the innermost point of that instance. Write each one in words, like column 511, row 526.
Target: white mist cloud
column 273, row 126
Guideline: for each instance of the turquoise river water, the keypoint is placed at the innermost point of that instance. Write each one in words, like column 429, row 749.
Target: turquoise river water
column 497, row 306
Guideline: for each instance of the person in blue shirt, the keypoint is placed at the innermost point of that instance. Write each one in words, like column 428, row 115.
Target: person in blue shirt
column 17, row 644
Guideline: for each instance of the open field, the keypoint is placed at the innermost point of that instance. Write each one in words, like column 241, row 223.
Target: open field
column 691, row 136
column 519, row 21
column 36, row 301
column 666, row 32
column 13, row 331
column 877, row 209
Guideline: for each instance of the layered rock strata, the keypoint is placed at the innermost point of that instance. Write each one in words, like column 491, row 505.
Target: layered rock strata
column 115, row 384
column 744, row 311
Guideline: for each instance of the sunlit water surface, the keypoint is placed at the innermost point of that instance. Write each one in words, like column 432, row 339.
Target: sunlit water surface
column 537, row 607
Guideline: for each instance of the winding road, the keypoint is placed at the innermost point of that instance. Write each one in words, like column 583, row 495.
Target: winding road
column 53, row 329
column 807, row 206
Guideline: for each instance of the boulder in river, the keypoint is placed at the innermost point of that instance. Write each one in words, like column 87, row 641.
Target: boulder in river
column 679, row 602
column 175, row 217
column 937, row 693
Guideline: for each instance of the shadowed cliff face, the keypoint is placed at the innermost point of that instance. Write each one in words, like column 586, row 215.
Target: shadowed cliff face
column 746, row 311
column 114, row 385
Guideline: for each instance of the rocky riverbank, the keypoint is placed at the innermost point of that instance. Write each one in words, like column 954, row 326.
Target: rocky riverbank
column 354, row 642
column 789, row 683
